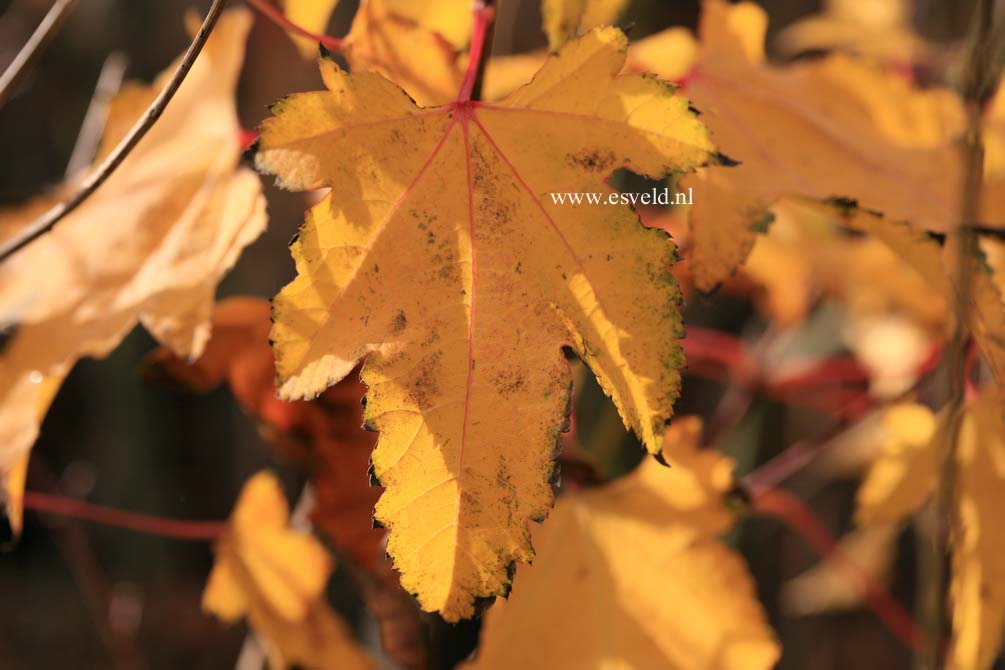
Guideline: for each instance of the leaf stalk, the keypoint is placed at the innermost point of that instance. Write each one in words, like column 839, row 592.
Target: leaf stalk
column 271, row 12
column 478, row 55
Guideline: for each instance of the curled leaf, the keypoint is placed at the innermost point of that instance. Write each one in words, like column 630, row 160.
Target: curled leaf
column 833, row 126
column 176, row 214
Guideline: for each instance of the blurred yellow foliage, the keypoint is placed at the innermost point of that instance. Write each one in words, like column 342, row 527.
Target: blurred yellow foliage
column 276, row 578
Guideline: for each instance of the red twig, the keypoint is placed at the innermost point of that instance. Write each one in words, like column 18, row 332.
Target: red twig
column 483, row 16
column 108, row 516
column 835, row 386
column 834, row 370
column 271, row 12
column 716, row 355
column 787, row 508
column 688, row 77
column 247, row 138
column 791, row 460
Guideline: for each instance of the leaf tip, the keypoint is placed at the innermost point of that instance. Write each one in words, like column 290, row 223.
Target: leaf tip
column 661, row 459
column 251, row 153
column 719, row 158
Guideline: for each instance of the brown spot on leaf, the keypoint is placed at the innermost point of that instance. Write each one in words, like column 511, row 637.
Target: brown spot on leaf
column 592, row 160
column 399, row 322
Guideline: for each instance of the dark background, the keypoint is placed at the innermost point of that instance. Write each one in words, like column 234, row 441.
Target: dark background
column 75, row 595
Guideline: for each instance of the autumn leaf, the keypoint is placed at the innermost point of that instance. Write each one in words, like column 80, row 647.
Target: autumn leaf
column 632, row 575
column 450, row 18
column 856, row 448
column 674, row 49
column 421, row 62
column 12, row 499
column 176, row 214
column 905, row 476
column 887, row 280
column 13, row 478
column 562, row 18
column 825, row 587
column 325, row 433
column 276, row 578
column 505, row 74
column 932, row 261
column 879, row 29
column 311, row 15
column 834, row 126
column 439, row 257
column 895, row 280
column 809, row 251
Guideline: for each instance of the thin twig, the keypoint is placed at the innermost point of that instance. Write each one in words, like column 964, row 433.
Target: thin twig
column 272, row 13
column 109, row 516
column 90, row 577
column 89, row 137
column 45, row 223
column 33, row 49
column 788, row 508
column 936, row 610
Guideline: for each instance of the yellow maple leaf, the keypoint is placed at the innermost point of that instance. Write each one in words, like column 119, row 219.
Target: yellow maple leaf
column 428, row 68
column 895, row 280
column 311, row 15
column 834, row 126
column 892, row 270
column 562, row 18
column 505, row 74
column 276, row 578
column 450, row 18
column 632, row 576
column 879, row 29
column 899, row 425
column 12, row 499
column 149, row 247
column 932, row 261
column 905, row 476
column 675, row 50
column 440, row 258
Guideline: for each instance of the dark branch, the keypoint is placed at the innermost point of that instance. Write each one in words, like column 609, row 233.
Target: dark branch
column 33, row 49
column 45, row 223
